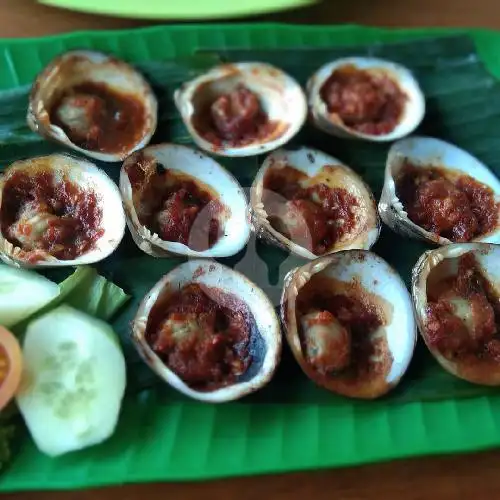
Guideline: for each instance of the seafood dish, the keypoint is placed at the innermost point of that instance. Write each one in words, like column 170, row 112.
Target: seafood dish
column 209, row 332
column 311, row 204
column 365, row 98
column 203, row 325
column 58, row 210
column 456, row 294
column 94, row 104
column 348, row 319
column 242, row 109
column 435, row 191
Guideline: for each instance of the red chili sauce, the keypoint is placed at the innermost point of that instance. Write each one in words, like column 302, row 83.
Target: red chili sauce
column 453, row 206
column 40, row 212
column 370, row 102
column 454, row 338
column 98, row 118
column 235, row 119
column 358, row 355
column 176, row 206
column 314, row 217
column 203, row 335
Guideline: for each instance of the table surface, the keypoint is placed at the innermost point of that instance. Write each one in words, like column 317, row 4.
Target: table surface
column 441, row 478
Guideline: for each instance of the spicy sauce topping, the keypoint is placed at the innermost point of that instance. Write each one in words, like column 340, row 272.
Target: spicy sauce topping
column 313, row 216
column 463, row 315
column 341, row 330
column 236, row 118
column 42, row 212
column 176, row 206
column 98, row 118
column 370, row 102
column 453, row 206
column 203, row 335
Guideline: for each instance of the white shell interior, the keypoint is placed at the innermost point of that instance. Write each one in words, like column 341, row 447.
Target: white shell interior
column 425, row 152
column 208, row 171
column 212, row 274
column 79, row 66
column 377, row 277
column 281, row 97
column 88, row 176
column 414, row 109
column 311, row 161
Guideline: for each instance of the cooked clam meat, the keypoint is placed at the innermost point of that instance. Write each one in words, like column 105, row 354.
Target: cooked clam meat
column 98, row 118
column 238, row 115
column 203, row 335
column 327, row 341
column 236, row 118
column 463, row 314
column 446, row 202
column 369, row 101
column 309, row 212
column 342, row 330
column 42, row 211
column 175, row 205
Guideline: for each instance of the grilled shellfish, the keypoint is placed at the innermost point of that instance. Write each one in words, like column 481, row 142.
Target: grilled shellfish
column 181, row 202
column 242, row 109
column 456, row 291
column 309, row 203
column 349, row 321
column 437, row 192
column 365, row 98
column 58, row 210
column 209, row 332
column 93, row 103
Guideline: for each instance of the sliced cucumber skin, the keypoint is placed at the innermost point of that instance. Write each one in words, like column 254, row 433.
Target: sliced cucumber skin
column 74, row 381
column 22, row 293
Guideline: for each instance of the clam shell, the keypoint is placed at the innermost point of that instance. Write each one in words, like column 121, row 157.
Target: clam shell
column 280, row 96
column 85, row 174
column 212, row 274
column 414, row 109
column 311, row 161
column 205, row 169
column 376, row 277
column 425, row 270
column 428, row 151
column 78, row 67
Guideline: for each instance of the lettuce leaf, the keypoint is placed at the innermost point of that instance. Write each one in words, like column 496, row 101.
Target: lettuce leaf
column 86, row 290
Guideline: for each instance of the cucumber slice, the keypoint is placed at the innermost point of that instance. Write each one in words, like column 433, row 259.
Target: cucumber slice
column 74, row 381
column 22, row 293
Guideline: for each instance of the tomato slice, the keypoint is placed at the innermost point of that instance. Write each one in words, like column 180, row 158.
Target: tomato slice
column 10, row 366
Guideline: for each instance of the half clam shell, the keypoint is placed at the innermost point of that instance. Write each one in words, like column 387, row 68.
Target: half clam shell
column 61, row 169
column 265, row 343
column 280, row 97
column 201, row 169
column 319, row 168
column 85, row 67
column 364, row 343
column 473, row 353
column 422, row 152
column 412, row 107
